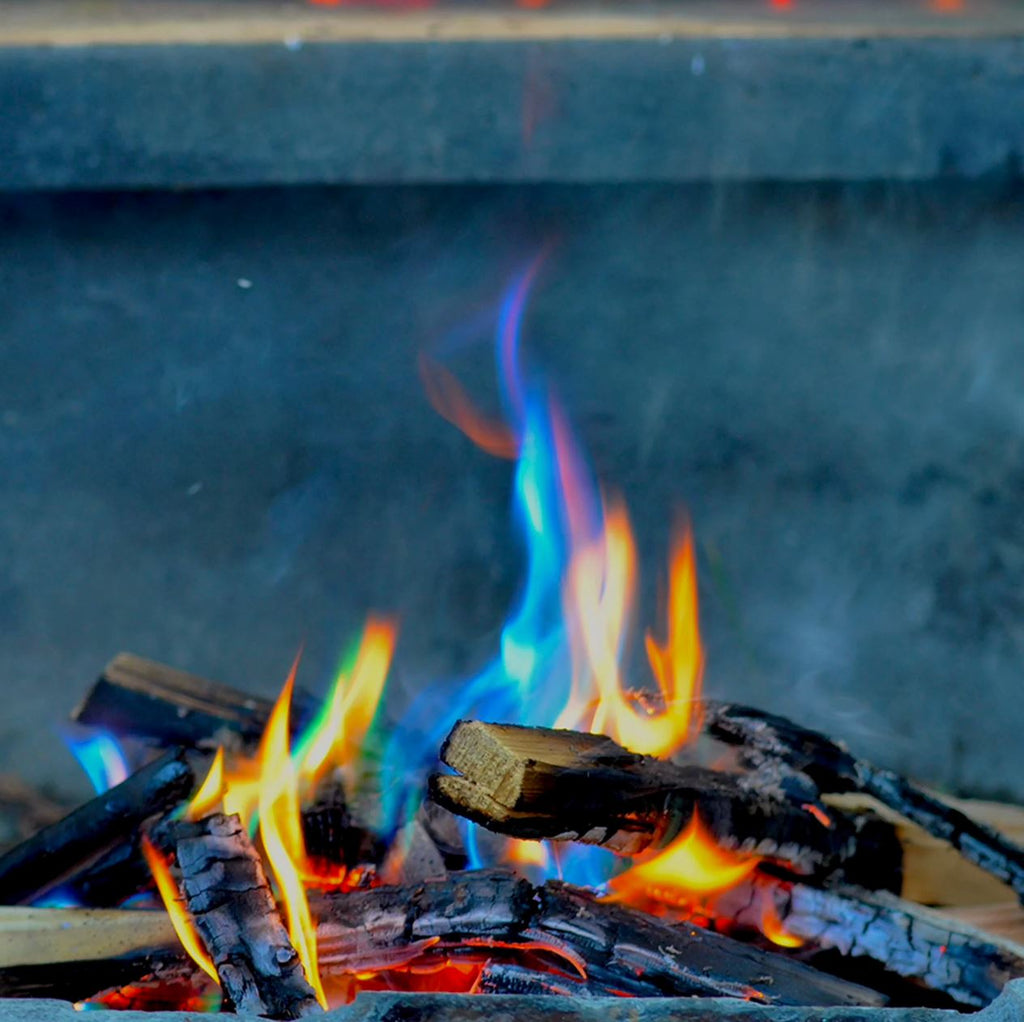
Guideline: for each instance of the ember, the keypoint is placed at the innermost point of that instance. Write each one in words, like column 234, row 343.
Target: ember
column 302, row 869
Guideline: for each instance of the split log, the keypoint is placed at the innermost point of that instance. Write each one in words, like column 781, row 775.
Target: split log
column 42, row 862
column 938, row 951
column 834, row 769
column 139, row 697
column 229, row 898
column 388, row 927
column 537, row 783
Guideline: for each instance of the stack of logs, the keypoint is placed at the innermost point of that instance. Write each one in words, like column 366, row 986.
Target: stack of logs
column 830, row 876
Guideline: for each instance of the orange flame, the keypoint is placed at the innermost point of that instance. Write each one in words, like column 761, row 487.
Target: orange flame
column 693, row 865
column 281, row 833
column 449, row 400
column 180, row 919
column 772, row 927
column 353, row 703
column 210, row 792
column 599, row 600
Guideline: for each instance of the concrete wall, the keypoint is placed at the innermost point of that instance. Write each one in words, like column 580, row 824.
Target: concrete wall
column 214, row 445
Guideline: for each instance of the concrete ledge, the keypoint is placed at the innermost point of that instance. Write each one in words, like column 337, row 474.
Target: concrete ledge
column 276, row 95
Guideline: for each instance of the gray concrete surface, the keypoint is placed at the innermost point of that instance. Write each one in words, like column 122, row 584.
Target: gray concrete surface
column 669, row 107
column 214, row 445
column 503, row 1008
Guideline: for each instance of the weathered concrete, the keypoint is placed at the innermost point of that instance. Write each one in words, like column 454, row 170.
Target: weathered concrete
column 653, row 98
column 455, row 1008
column 213, row 441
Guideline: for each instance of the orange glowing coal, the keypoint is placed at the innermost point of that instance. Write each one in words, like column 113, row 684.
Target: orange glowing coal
column 691, row 867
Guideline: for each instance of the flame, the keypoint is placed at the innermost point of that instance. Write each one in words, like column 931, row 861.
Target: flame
column 281, row 832
column 101, row 757
column 773, row 928
column 449, row 400
column 693, row 865
column 210, row 792
column 180, row 919
column 336, row 739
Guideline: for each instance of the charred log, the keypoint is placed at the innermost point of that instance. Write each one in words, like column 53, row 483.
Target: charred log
column 610, row 945
column 833, row 768
column 538, row 783
column 42, row 862
column 139, row 697
column 941, row 953
column 229, row 898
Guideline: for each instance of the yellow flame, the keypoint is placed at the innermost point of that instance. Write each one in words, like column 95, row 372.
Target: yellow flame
column 281, row 833
column 692, row 865
column 353, row 704
column 678, row 665
column 527, row 853
column 180, row 919
column 208, row 797
column 772, row 927
column 599, row 597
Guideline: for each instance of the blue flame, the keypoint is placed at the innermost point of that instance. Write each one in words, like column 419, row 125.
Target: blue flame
column 101, row 757
column 555, row 506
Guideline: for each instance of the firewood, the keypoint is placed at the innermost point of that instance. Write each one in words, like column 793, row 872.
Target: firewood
column 38, row 936
column 387, row 927
column 334, row 836
column 78, row 980
column 139, row 697
column 834, row 769
column 229, row 898
column 37, row 865
column 538, row 783
column 940, row 952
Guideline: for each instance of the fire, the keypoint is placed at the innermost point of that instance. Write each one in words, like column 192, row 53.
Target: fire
column 691, row 867
column 281, row 833
column 773, row 928
column 599, row 597
column 337, row 737
column 210, row 792
column 180, row 919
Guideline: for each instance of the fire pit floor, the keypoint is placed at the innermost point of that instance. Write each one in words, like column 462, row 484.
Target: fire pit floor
column 1009, row 1007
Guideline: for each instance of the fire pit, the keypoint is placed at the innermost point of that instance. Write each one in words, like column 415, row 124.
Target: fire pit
column 582, row 838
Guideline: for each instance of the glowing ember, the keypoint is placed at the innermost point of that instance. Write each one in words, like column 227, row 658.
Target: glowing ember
column 180, row 919
column 691, row 867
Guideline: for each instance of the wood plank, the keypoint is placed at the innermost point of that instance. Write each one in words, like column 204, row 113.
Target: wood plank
column 155, row 22
column 40, row 936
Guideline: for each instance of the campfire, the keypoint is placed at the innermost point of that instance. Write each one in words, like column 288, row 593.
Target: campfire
column 574, row 821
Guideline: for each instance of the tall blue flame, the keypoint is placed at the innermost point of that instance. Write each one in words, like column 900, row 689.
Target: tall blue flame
column 555, row 506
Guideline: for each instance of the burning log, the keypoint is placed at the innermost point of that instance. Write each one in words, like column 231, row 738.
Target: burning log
column 537, row 783
column 764, row 736
column 35, row 866
column 609, row 945
column 134, row 696
column 229, row 898
column 942, row 953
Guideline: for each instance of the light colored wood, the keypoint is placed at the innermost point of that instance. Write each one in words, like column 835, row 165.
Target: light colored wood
column 146, row 22
column 934, row 873
column 38, row 936
column 1005, row 920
